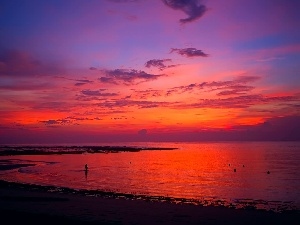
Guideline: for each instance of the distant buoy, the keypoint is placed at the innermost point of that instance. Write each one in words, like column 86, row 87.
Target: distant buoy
column 268, row 172
column 243, row 165
column 234, row 170
column 86, row 167
column 229, row 164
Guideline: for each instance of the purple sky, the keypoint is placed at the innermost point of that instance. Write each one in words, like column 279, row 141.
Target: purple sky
column 79, row 71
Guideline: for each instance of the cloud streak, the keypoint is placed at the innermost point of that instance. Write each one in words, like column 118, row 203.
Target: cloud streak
column 98, row 93
column 231, row 87
column 243, row 101
column 134, row 103
column 70, row 120
column 79, row 82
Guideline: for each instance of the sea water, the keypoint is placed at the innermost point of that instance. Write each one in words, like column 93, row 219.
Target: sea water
column 264, row 174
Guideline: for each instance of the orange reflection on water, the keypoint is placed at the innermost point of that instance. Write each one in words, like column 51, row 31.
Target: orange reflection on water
column 195, row 171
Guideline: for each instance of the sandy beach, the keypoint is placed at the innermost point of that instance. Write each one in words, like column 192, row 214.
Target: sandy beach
column 26, row 205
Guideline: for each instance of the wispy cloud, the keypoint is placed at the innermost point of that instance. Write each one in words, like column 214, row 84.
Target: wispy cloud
column 189, row 52
column 149, row 93
column 98, row 93
column 73, row 118
column 231, row 87
column 192, row 8
column 21, row 63
column 25, row 85
column 127, row 76
column 243, row 101
column 269, row 59
column 79, row 82
column 124, row 15
column 133, row 103
column 237, row 86
column 236, row 90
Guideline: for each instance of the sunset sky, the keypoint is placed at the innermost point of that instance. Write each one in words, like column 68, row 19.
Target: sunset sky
column 92, row 71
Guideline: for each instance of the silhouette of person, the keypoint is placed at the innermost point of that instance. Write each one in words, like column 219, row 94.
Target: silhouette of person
column 86, row 169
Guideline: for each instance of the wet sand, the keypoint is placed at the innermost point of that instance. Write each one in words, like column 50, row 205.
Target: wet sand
column 31, row 205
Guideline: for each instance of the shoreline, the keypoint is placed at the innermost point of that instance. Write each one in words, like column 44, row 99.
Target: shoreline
column 30, row 204
column 238, row 204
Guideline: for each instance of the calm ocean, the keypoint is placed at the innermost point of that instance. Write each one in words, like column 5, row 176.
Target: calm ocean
column 228, row 173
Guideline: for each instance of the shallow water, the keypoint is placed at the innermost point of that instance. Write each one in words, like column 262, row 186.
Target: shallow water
column 196, row 171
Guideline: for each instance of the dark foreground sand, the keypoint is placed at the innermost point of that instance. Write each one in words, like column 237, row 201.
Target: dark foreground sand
column 33, row 206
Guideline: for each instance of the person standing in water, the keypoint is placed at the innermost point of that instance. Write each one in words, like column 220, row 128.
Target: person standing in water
column 86, row 168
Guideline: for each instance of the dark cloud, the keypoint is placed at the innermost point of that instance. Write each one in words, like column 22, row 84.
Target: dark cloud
column 93, row 68
column 192, row 8
column 98, row 93
column 159, row 63
column 189, row 52
column 127, row 76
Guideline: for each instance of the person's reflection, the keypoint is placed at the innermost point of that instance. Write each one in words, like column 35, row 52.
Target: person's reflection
column 86, row 174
